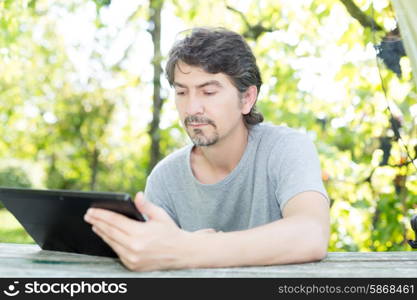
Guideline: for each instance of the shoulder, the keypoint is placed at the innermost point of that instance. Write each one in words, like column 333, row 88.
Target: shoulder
column 277, row 137
column 281, row 145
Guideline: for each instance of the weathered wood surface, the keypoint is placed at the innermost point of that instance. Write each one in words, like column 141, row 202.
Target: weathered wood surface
column 18, row 260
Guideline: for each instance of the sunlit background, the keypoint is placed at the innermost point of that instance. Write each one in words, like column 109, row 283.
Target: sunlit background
column 77, row 104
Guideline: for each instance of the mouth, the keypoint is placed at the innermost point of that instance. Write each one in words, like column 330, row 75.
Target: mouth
column 197, row 124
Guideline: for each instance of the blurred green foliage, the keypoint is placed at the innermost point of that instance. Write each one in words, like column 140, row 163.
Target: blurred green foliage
column 14, row 177
column 11, row 231
column 81, row 121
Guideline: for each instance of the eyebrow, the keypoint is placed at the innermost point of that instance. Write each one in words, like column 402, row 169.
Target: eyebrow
column 210, row 82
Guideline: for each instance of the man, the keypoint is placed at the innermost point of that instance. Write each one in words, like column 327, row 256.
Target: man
column 243, row 193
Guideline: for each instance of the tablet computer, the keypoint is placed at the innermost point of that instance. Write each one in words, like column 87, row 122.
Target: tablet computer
column 55, row 218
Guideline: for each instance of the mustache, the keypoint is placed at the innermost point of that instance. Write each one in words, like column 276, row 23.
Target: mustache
column 198, row 119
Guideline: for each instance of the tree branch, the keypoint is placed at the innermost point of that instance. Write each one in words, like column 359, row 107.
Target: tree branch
column 241, row 14
column 252, row 31
column 360, row 16
column 155, row 10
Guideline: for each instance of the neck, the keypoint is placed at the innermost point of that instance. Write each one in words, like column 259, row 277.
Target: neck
column 224, row 156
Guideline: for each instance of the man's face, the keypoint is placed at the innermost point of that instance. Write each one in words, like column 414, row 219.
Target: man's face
column 208, row 104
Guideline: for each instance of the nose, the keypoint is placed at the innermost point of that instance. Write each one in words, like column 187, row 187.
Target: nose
column 194, row 105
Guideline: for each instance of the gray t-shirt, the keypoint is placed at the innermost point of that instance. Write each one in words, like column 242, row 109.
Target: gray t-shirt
column 277, row 164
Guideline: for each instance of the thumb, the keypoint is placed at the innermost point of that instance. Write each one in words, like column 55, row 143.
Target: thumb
column 150, row 210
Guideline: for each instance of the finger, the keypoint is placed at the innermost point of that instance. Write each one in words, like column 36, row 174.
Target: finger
column 206, row 230
column 126, row 263
column 119, row 221
column 112, row 232
column 152, row 211
column 123, row 251
column 117, row 248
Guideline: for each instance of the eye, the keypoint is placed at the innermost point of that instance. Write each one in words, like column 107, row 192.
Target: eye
column 179, row 93
column 207, row 93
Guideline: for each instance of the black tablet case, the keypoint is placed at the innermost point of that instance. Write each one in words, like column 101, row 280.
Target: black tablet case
column 54, row 218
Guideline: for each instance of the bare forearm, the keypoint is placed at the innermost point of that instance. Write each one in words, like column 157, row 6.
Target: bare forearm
column 290, row 240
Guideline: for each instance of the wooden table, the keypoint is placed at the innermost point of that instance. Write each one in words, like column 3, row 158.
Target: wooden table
column 18, row 260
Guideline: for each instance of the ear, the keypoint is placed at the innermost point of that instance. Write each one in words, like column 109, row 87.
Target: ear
column 248, row 99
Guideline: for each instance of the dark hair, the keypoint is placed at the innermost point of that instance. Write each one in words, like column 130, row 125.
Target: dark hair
column 218, row 50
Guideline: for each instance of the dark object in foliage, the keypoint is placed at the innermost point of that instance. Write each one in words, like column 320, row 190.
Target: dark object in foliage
column 390, row 50
column 413, row 243
column 385, row 146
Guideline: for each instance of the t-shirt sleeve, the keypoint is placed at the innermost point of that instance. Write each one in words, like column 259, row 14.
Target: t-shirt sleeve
column 295, row 168
column 156, row 192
